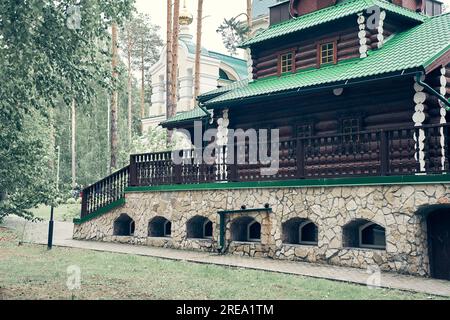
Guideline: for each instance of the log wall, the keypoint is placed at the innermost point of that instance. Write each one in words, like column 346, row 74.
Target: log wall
column 265, row 60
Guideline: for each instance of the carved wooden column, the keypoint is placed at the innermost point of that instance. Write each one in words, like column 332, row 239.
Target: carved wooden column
column 222, row 141
column 443, row 112
column 419, row 118
column 363, row 36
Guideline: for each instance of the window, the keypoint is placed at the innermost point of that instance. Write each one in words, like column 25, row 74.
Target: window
column 327, row 53
column 199, row 227
column 287, row 62
column 300, row 231
column 363, row 233
column 350, row 128
column 372, row 236
column 254, row 231
column 124, row 226
column 304, row 130
column 159, row 227
column 308, row 233
column 245, row 229
column 208, row 229
column 433, row 8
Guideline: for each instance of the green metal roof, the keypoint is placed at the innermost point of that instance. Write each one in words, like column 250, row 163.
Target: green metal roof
column 214, row 93
column 193, row 114
column 415, row 48
column 239, row 65
column 329, row 14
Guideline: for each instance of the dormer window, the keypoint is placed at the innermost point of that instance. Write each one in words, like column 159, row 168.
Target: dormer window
column 327, row 53
column 286, row 62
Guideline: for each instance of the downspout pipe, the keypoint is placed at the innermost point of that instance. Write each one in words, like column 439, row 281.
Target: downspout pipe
column 431, row 91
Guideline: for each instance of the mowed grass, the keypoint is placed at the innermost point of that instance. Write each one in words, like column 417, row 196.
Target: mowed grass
column 64, row 212
column 32, row 272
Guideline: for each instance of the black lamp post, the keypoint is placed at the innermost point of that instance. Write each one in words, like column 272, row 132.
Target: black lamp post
column 51, row 223
column 50, row 230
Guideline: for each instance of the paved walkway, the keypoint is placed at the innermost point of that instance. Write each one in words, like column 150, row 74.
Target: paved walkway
column 37, row 233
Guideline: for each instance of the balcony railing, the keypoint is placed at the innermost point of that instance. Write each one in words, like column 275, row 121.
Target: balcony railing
column 384, row 152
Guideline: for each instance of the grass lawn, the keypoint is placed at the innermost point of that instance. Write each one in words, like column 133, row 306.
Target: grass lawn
column 65, row 212
column 32, row 272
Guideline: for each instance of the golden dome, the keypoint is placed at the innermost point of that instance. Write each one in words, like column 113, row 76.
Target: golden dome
column 186, row 17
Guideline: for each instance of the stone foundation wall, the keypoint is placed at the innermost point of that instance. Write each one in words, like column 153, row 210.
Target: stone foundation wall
column 330, row 208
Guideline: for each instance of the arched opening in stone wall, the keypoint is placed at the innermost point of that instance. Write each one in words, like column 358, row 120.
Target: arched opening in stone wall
column 300, row 231
column 123, row 226
column 245, row 229
column 199, row 227
column 362, row 233
column 159, row 227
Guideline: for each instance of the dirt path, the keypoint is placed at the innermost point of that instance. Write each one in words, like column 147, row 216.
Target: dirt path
column 37, row 232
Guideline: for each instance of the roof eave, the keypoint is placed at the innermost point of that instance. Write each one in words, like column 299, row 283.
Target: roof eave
column 296, row 91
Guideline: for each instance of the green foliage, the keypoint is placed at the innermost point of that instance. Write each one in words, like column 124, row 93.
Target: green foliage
column 92, row 134
column 51, row 52
column 233, row 33
column 141, row 39
column 154, row 140
column 25, row 165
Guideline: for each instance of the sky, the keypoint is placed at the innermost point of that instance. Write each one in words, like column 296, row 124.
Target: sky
column 214, row 12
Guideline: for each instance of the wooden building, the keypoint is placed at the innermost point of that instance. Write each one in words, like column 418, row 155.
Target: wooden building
column 358, row 90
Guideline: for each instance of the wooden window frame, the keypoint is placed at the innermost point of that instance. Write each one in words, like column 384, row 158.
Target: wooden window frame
column 300, row 234
column 292, row 51
column 370, row 246
column 249, row 239
column 303, row 124
column 319, row 51
column 345, row 135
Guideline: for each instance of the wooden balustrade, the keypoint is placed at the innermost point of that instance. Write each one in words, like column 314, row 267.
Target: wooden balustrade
column 104, row 192
column 383, row 152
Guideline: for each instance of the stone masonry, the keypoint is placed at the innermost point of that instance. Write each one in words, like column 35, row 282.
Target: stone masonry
column 330, row 208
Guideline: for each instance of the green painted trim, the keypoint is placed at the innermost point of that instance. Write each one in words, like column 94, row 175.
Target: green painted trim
column 334, row 182
column 100, row 211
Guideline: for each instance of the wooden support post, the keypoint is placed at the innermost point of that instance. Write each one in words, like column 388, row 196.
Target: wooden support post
column 233, row 167
column 300, row 157
column 384, row 153
column 133, row 172
column 177, row 170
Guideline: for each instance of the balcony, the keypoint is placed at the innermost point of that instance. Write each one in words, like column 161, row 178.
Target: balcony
column 388, row 152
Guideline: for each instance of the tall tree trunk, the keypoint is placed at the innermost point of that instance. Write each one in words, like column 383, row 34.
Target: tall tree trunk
column 130, row 84
column 142, row 80
column 169, row 65
column 73, row 144
column 198, row 49
column 175, row 34
column 114, row 102
column 249, row 15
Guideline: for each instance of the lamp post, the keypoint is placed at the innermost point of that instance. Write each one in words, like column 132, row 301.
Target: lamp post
column 52, row 222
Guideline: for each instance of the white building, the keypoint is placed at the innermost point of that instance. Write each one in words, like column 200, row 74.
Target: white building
column 216, row 70
column 260, row 14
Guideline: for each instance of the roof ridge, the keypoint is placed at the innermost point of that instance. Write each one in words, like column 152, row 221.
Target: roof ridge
column 328, row 14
